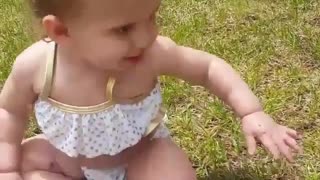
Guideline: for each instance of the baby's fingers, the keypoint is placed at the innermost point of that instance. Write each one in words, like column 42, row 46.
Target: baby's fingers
column 285, row 150
column 292, row 143
column 270, row 145
column 251, row 144
column 292, row 133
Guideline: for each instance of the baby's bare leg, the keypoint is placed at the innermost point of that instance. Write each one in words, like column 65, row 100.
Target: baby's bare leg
column 161, row 160
column 44, row 175
column 42, row 161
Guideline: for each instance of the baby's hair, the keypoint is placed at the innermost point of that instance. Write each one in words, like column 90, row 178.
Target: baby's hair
column 62, row 9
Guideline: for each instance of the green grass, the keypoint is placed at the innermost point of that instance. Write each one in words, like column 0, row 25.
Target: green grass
column 275, row 45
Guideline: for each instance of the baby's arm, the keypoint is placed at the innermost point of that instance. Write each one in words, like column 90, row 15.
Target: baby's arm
column 16, row 98
column 207, row 70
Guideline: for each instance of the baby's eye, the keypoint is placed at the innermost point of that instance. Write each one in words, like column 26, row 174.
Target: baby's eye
column 124, row 29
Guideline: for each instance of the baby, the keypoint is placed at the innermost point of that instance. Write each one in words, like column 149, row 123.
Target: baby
column 93, row 84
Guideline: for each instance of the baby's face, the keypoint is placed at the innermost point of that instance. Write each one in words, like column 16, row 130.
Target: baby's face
column 108, row 33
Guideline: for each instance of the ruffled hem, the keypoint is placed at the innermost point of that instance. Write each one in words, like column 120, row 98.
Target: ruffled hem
column 108, row 132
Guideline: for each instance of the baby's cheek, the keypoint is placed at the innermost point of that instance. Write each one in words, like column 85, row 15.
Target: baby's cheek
column 122, row 48
column 115, row 53
column 116, row 47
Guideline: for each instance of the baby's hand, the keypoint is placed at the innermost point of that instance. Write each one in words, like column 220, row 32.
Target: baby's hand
column 276, row 138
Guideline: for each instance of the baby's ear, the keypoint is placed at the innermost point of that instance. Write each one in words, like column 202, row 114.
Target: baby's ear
column 55, row 29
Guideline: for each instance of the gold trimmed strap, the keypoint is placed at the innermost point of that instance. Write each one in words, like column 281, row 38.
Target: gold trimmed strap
column 49, row 72
column 109, row 88
column 80, row 109
column 156, row 122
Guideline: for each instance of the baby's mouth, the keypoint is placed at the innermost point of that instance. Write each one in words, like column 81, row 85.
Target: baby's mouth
column 134, row 59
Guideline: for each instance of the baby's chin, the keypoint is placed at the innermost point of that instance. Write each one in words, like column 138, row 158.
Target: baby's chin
column 118, row 65
column 125, row 65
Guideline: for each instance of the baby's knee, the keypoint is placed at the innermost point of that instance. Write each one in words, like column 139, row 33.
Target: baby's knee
column 163, row 159
column 31, row 175
column 37, row 154
column 43, row 175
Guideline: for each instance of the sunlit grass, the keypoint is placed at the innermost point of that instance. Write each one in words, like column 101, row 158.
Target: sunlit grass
column 275, row 45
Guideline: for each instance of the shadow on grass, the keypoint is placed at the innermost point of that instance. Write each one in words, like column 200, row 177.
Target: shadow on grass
column 241, row 174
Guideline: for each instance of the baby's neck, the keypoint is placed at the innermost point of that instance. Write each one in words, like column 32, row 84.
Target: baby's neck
column 80, row 65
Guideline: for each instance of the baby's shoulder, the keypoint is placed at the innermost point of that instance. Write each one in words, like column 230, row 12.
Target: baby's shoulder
column 33, row 55
column 160, row 48
column 164, row 43
column 162, row 51
column 30, row 62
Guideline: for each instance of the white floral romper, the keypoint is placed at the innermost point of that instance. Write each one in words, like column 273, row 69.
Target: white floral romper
column 103, row 129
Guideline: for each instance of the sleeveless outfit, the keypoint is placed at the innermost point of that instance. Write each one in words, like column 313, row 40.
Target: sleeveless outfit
column 104, row 129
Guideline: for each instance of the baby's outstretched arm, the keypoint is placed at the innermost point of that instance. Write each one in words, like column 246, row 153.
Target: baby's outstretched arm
column 201, row 68
column 221, row 79
column 16, row 98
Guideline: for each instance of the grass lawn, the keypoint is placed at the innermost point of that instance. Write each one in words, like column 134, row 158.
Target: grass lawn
column 275, row 45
